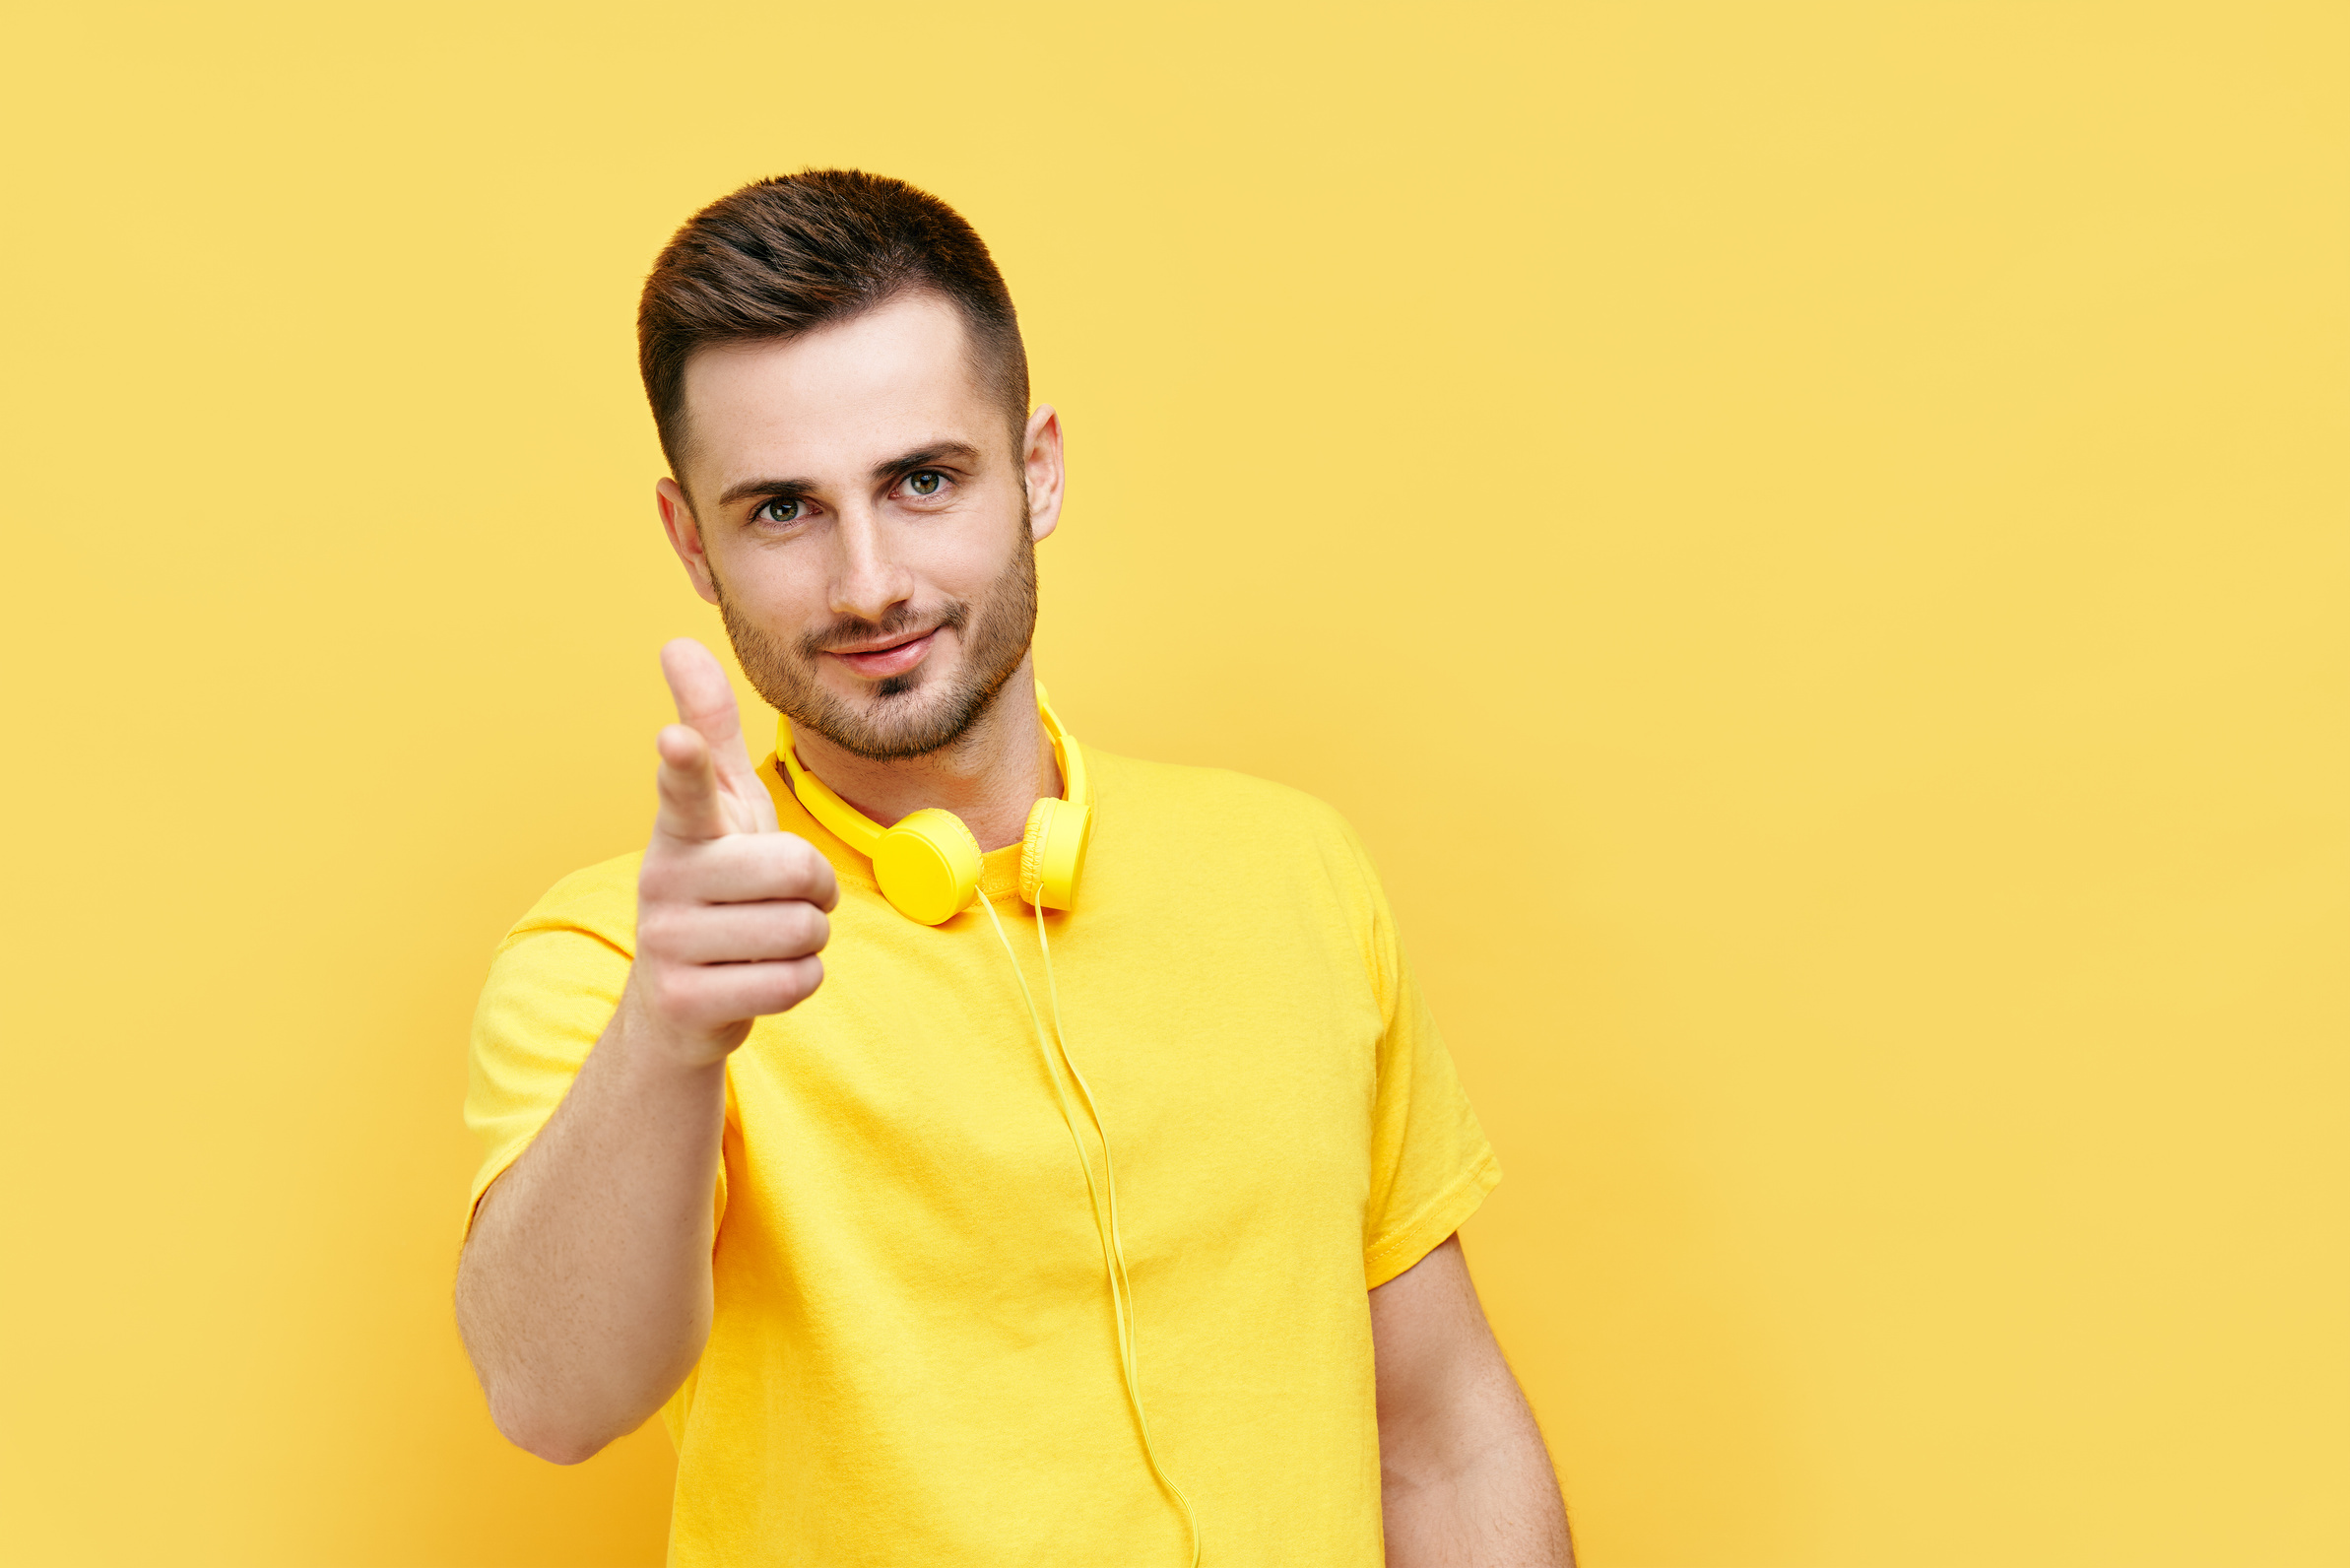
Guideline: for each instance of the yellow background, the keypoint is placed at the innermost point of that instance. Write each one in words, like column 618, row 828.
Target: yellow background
column 1810, row 538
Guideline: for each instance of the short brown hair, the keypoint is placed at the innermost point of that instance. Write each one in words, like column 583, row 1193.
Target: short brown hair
column 785, row 256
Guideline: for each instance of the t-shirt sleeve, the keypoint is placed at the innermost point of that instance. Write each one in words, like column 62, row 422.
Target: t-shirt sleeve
column 553, row 985
column 1431, row 1165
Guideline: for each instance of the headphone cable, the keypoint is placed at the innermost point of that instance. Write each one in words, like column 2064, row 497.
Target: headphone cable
column 1113, row 1247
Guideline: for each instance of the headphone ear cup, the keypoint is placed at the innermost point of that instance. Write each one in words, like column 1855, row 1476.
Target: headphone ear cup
column 928, row 866
column 1053, row 853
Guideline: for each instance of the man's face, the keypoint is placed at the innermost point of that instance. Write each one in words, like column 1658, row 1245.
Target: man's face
column 860, row 517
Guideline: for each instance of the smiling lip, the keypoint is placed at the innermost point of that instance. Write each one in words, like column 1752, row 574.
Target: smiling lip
column 875, row 663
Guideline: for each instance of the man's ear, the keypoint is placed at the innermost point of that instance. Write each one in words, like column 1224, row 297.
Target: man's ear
column 685, row 535
column 1040, row 457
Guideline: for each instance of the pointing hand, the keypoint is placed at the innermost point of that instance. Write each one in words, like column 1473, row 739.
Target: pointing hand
column 730, row 912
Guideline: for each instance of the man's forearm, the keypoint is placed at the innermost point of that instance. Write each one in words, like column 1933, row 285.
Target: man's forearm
column 583, row 1294
column 584, row 1290
column 1465, row 1481
column 1495, row 1507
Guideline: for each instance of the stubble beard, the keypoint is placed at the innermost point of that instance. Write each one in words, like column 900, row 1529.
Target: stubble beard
column 911, row 715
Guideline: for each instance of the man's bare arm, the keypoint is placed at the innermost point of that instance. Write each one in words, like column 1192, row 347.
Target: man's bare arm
column 583, row 1292
column 584, row 1289
column 1464, row 1476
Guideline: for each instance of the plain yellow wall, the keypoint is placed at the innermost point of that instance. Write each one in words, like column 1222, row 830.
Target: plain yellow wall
column 1810, row 538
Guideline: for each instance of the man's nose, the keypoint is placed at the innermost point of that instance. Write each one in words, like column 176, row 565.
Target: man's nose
column 868, row 582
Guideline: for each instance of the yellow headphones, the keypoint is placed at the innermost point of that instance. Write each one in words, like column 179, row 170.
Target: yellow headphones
column 928, row 864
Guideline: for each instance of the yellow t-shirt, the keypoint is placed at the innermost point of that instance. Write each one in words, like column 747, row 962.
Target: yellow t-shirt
column 913, row 1357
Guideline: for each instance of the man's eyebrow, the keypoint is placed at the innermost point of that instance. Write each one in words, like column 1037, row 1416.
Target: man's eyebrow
column 789, row 490
column 928, row 456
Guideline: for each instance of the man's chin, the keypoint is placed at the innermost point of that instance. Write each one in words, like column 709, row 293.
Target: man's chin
column 897, row 719
column 893, row 702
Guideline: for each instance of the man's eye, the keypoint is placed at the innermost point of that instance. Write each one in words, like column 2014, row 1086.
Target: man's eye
column 778, row 511
column 925, row 481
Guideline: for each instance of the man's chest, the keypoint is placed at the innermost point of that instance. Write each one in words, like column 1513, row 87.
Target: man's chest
column 909, row 1111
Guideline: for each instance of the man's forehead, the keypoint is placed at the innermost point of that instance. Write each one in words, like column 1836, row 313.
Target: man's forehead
column 835, row 400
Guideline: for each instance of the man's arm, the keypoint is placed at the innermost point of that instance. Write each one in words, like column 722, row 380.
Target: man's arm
column 1464, row 1476
column 583, row 1292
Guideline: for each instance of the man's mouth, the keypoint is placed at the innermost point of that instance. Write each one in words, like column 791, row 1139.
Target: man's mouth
column 879, row 661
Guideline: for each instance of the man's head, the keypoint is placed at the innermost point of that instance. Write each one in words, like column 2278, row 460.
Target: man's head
column 857, row 482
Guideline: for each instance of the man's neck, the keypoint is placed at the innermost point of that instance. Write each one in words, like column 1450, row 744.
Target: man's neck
column 988, row 778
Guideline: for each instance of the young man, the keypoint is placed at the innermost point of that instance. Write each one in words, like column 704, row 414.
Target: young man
column 1091, row 1198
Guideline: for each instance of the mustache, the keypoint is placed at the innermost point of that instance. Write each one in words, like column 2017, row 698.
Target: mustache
column 902, row 623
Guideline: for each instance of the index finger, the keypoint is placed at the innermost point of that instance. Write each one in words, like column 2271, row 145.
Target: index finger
column 706, row 705
column 690, row 808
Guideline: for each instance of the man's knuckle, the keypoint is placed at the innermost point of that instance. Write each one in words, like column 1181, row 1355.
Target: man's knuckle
column 657, row 931
column 668, row 875
column 670, row 996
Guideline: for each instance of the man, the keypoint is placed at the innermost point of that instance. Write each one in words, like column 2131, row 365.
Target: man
column 1094, row 1210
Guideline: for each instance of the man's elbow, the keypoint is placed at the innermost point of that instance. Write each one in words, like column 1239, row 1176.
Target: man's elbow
column 560, row 1450
column 548, row 1434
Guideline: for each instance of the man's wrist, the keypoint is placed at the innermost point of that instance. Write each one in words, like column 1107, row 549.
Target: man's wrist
column 654, row 1050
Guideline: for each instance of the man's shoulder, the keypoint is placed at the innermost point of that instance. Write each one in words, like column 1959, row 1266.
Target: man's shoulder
column 1235, row 800
column 599, row 900
column 1177, row 809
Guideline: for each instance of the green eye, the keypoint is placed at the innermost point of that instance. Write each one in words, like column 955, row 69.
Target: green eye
column 925, row 482
column 778, row 511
